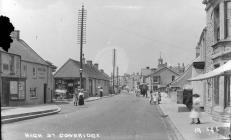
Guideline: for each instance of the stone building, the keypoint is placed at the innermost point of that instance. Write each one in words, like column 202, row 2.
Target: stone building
column 217, row 39
column 68, row 77
column 26, row 78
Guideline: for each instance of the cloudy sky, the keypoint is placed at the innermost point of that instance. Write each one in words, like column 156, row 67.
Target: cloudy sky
column 139, row 30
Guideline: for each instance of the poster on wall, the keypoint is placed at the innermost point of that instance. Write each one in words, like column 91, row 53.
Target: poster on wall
column 13, row 87
column 21, row 89
column 14, row 90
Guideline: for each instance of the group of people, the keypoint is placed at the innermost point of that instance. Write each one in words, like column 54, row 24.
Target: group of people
column 78, row 97
column 155, row 97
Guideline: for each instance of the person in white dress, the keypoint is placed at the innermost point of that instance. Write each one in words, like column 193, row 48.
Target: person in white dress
column 195, row 112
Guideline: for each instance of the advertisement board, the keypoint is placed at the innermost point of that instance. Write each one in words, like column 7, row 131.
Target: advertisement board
column 14, row 90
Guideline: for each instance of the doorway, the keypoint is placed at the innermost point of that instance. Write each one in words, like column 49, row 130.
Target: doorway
column 45, row 93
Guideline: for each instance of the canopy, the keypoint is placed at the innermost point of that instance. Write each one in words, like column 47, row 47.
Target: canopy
column 224, row 69
column 61, row 91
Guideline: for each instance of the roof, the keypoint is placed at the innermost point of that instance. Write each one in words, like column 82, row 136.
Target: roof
column 19, row 47
column 182, row 80
column 158, row 70
column 70, row 69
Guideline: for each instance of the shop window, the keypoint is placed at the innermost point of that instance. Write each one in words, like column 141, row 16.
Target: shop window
column 33, row 93
column 228, row 19
column 227, row 91
column 216, row 90
column 209, row 88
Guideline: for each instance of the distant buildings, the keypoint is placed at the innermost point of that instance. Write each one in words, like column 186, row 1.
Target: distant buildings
column 159, row 78
column 68, row 77
column 25, row 77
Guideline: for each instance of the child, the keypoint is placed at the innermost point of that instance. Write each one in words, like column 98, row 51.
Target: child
column 195, row 112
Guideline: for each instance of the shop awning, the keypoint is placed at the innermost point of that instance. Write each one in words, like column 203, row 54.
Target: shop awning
column 224, row 69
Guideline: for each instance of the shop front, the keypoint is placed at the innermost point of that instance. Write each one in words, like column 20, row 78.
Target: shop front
column 218, row 96
column 69, row 84
column 13, row 91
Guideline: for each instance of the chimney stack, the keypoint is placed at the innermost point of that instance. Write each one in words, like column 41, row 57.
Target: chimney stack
column 89, row 62
column 15, row 34
column 101, row 70
column 96, row 65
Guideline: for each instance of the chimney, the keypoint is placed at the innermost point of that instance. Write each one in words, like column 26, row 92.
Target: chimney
column 89, row 62
column 15, row 35
column 101, row 70
column 96, row 65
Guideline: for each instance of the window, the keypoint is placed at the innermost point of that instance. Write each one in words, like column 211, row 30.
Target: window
column 33, row 93
column 227, row 91
column 216, row 90
column 173, row 78
column 5, row 67
column 217, row 23
column 228, row 19
column 156, row 79
column 24, row 70
column 34, row 72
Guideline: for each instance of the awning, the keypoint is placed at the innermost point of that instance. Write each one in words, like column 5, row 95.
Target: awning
column 61, row 91
column 224, row 69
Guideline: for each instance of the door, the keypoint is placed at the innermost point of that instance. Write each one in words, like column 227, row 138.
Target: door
column 90, row 87
column 45, row 93
column 5, row 94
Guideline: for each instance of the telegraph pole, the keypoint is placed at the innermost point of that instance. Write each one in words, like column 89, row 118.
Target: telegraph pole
column 117, row 76
column 81, row 38
column 113, row 73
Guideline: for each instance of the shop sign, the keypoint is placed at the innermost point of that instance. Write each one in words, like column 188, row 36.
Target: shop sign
column 41, row 71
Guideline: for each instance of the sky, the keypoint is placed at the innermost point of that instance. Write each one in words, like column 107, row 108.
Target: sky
column 139, row 30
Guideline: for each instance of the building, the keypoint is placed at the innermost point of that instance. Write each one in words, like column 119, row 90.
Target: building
column 26, row 78
column 68, row 77
column 217, row 40
column 162, row 76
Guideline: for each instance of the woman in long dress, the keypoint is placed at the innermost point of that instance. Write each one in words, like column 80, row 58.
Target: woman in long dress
column 81, row 97
column 195, row 112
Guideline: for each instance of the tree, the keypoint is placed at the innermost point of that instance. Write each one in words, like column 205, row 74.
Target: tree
column 6, row 27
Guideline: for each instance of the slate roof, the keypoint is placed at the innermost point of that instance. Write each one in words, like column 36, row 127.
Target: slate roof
column 71, row 69
column 158, row 70
column 19, row 47
column 183, row 79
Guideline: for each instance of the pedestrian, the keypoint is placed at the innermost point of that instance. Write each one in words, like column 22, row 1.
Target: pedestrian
column 81, row 97
column 151, row 98
column 75, row 97
column 155, row 97
column 159, row 97
column 195, row 112
column 101, row 91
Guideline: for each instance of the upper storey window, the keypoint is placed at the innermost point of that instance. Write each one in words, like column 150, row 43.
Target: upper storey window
column 217, row 23
column 228, row 19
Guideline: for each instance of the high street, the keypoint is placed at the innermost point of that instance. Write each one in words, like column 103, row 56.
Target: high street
column 123, row 116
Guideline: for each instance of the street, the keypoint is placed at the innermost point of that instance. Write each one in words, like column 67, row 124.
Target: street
column 123, row 116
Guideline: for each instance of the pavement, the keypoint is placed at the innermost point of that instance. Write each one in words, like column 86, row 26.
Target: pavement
column 181, row 121
column 121, row 117
column 14, row 114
